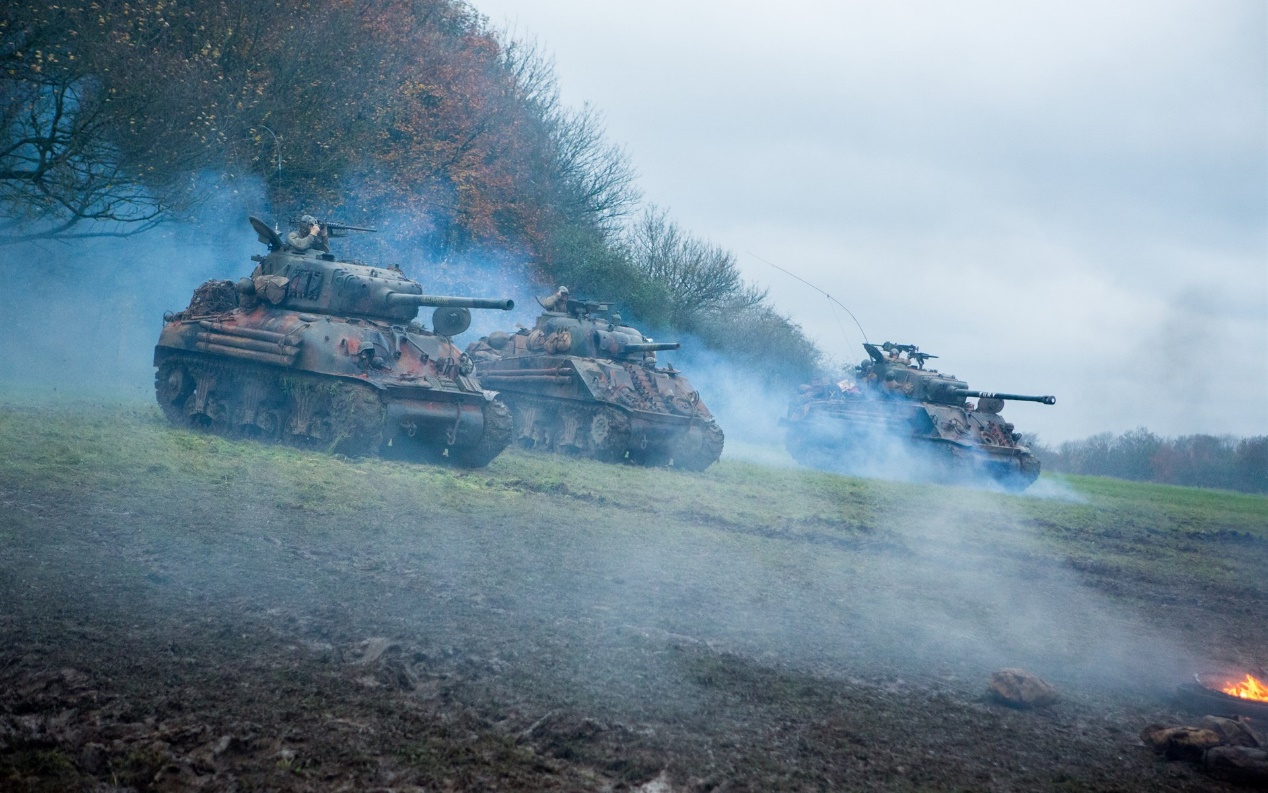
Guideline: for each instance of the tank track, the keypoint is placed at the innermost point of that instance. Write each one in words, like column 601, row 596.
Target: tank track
column 946, row 463
column 603, row 432
column 304, row 410
column 691, row 456
column 582, row 430
column 498, row 427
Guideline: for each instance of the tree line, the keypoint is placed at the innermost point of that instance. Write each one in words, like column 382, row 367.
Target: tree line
column 1196, row 460
column 117, row 116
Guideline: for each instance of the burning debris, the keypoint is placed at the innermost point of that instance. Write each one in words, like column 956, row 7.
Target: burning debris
column 1226, row 746
column 1230, row 695
column 1248, row 688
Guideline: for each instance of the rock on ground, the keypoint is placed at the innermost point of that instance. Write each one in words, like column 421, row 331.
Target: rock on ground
column 1018, row 688
column 1240, row 764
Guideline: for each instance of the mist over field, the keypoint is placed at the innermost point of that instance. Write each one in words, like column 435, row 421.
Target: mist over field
column 1067, row 201
column 81, row 317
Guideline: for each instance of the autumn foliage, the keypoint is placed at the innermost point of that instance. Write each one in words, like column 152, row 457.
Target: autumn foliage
column 117, row 115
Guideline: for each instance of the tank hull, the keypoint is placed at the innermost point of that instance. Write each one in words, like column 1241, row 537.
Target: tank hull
column 340, row 384
column 910, row 439
column 609, row 410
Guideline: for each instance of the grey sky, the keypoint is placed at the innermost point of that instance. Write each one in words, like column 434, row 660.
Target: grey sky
column 1066, row 198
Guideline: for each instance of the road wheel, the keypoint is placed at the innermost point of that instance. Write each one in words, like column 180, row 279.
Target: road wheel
column 609, row 435
column 173, row 385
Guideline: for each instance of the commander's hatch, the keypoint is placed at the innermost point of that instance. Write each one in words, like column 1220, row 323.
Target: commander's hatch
column 267, row 235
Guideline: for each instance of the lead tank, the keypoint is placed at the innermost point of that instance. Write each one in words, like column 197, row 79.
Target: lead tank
column 582, row 382
column 892, row 411
column 327, row 354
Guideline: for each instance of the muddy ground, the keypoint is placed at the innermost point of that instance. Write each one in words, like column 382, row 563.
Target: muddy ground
column 185, row 628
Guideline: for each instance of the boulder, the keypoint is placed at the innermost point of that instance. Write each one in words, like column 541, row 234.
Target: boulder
column 1179, row 743
column 1231, row 731
column 1018, row 688
column 1240, row 764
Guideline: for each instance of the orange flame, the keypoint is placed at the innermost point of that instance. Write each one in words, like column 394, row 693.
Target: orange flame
column 1250, row 688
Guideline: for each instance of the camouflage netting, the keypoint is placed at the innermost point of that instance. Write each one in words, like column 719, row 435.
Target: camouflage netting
column 213, row 297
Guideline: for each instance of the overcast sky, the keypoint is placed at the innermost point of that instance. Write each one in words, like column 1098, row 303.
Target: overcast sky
column 1066, row 198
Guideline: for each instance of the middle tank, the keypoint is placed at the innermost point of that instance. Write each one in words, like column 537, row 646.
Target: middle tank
column 582, row 382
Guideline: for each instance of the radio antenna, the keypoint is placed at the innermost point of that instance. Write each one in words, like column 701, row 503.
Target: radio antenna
column 817, row 289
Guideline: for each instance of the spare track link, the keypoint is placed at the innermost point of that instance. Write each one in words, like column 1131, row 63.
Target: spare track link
column 652, row 398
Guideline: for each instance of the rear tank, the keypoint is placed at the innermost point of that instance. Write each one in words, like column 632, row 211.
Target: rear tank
column 894, row 411
column 326, row 354
column 581, row 382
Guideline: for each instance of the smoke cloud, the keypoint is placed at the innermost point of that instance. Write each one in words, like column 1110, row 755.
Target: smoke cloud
column 919, row 593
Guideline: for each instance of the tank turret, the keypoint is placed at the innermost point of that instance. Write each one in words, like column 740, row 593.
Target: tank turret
column 892, row 401
column 582, row 381
column 326, row 353
column 316, row 282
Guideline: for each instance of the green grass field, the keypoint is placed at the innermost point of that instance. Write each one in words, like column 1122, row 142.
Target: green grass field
column 1109, row 526
column 129, row 447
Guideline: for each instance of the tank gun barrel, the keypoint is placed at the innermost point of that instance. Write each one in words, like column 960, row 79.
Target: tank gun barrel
column 656, row 346
column 970, row 392
column 407, row 299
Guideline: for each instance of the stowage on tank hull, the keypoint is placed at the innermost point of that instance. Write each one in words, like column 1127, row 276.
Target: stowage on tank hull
column 581, row 382
column 892, row 416
column 324, row 354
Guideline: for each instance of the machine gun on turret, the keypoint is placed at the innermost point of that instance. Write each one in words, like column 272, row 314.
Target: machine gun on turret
column 582, row 309
column 336, row 229
column 913, row 353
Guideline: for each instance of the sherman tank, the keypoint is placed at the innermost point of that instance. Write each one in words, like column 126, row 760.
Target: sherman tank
column 327, row 354
column 892, row 410
column 582, row 382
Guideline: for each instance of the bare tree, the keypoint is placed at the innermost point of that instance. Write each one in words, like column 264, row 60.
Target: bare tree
column 700, row 276
column 594, row 177
column 58, row 171
column 103, row 118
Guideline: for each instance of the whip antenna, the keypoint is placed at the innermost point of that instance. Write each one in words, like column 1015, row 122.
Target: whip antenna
column 817, row 289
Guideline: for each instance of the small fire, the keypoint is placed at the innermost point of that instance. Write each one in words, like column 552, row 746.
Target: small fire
column 1250, row 688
